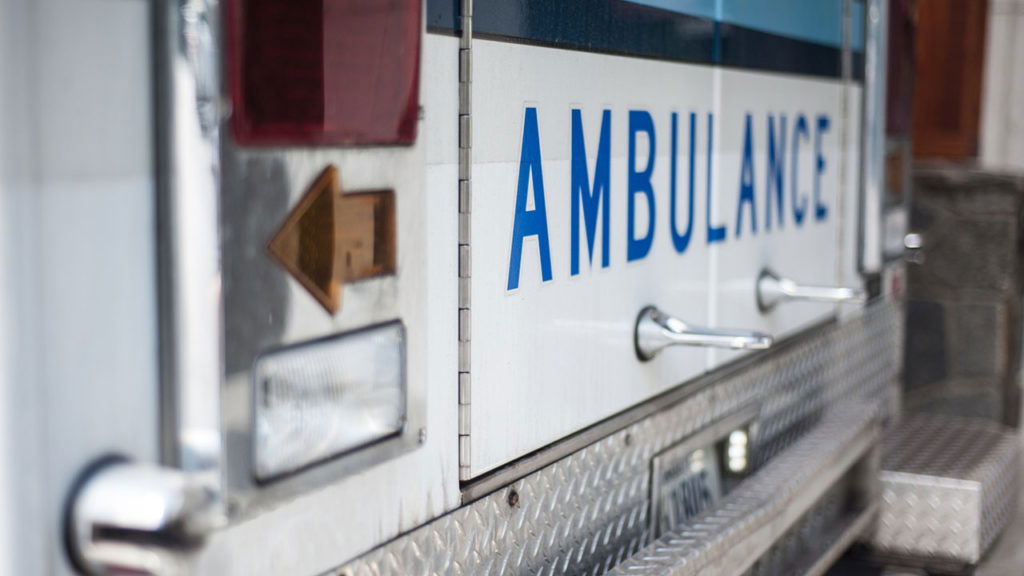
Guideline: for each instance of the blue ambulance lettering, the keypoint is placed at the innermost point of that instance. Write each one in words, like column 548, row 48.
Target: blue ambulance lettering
column 776, row 174
column 747, row 181
column 681, row 241
column 590, row 193
column 820, row 209
column 590, row 197
column 530, row 222
column 716, row 232
column 640, row 183
column 799, row 202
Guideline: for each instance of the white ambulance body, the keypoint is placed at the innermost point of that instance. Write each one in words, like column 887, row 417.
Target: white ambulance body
column 391, row 287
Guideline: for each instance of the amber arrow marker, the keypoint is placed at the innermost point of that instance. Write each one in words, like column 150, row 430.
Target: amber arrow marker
column 331, row 238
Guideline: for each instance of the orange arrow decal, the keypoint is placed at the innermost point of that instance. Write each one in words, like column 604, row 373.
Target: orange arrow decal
column 330, row 238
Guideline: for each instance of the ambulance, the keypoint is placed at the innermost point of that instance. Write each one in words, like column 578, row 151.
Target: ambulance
column 453, row 287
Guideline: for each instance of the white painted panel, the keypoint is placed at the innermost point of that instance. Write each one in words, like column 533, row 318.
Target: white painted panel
column 79, row 280
column 325, row 527
column 551, row 356
column 805, row 252
column 23, row 550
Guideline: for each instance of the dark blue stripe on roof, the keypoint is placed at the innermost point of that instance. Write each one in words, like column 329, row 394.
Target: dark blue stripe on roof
column 747, row 48
column 858, row 66
column 628, row 28
column 597, row 25
column 819, row 21
column 443, row 15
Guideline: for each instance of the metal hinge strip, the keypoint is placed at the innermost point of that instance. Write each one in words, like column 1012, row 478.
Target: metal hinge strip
column 465, row 207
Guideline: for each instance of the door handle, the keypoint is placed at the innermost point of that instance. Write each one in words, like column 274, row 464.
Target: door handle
column 140, row 518
column 656, row 330
column 773, row 289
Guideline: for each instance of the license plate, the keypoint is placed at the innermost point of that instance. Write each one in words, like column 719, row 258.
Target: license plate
column 687, row 481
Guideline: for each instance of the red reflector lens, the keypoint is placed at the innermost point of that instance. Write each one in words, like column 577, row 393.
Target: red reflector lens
column 328, row 72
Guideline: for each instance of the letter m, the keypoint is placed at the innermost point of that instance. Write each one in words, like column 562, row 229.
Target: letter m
column 588, row 196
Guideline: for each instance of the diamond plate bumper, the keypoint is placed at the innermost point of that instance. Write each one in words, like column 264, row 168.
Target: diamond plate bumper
column 949, row 487
column 589, row 511
column 729, row 539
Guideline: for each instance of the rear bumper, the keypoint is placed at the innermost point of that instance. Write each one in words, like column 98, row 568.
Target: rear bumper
column 743, row 529
column 818, row 403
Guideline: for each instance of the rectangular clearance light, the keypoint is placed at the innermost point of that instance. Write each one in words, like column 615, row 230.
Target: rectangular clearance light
column 324, row 72
column 318, row 400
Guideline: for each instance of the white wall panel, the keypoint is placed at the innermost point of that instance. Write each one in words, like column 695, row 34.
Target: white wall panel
column 79, row 292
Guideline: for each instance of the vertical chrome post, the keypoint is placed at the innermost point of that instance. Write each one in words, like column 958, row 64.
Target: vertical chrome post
column 188, row 119
column 142, row 517
column 873, row 151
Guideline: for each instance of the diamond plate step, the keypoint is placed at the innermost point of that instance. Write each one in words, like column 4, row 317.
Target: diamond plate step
column 949, row 487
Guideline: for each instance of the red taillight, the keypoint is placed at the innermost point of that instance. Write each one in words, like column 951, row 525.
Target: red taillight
column 328, row 72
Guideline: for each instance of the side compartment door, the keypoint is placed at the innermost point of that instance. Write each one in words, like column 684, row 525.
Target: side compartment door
column 785, row 194
column 589, row 182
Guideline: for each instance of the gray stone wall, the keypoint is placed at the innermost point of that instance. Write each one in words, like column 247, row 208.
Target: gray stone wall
column 964, row 287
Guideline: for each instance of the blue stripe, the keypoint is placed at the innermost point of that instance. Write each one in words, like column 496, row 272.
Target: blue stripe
column 442, row 15
column 858, row 26
column 598, row 25
column 748, row 48
column 710, row 9
column 819, row 21
column 702, row 31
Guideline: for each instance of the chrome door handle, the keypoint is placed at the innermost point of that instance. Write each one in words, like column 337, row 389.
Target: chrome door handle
column 167, row 512
column 772, row 289
column 656, row 330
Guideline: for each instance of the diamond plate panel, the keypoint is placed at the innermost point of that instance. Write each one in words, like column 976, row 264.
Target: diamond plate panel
column 588, row 512
column 729, row 539
column 948, row 488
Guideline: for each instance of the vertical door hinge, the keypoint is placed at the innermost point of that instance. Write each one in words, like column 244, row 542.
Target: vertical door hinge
column 465, row 225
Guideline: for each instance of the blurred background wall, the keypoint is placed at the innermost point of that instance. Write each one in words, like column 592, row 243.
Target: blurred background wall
column 956, row 140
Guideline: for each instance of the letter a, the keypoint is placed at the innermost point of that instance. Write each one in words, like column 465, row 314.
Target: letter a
column 529, row 222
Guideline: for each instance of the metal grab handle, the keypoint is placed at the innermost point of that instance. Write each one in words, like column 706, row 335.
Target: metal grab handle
column 772, row 289
column 131, row 516
column 656, row 330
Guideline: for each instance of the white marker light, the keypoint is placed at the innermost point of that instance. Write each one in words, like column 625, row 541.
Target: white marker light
column 697, row 463
column 913, row 241
column 737, row 465
column 738, row 438
column 737, row 451
column 322, row 399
